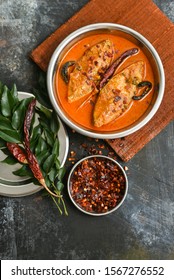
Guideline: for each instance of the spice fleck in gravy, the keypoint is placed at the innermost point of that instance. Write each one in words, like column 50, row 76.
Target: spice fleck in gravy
column 81, row 111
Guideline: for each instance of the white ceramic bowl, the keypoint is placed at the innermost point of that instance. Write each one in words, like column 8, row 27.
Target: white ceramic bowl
column 131, row 35
column 97, row 176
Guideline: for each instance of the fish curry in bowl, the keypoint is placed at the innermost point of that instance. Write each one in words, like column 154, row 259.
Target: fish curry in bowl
column 106, row 82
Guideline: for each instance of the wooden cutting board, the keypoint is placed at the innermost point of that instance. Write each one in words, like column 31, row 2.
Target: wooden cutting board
column 145, row 17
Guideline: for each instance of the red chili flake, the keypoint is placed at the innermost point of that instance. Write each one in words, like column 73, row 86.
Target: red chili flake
column 92, row 150
column 97, row 185
column 116, row 99
column 84, row 145
column 112, row 155
column 71, row 158
column 101, row 146
column 73, row 153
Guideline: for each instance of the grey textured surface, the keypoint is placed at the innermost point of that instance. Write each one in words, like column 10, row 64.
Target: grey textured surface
column 30, row 227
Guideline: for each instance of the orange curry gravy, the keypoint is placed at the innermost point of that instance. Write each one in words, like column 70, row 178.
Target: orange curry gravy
column 83, row 115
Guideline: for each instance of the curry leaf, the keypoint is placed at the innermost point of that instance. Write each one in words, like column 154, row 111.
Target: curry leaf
column 45, row 124
column 19, row 113
column 49, row 162
column 49, row 137
column 54, row 124
column 44, row 121
column 37, row 130
column 5, row 103
column 57, row 163
column 10, row 136
column 2, row 143
column 42, row 98
column 55, row 149
column 41, row 146
column 52, row 174
column 6, row 151
column 42, row 156
column 47, row 180
column 23, row 171
column 59, row 186
column 10, row 160
column 61, row 173
column 5, row 123
column 14, row 96
column 45, row 112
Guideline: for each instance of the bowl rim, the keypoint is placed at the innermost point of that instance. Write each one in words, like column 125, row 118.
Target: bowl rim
column 139, row 37
column 93, row 213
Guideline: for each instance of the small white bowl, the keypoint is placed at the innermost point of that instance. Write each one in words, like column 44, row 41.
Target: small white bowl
column 131, row 35
column 88, row 188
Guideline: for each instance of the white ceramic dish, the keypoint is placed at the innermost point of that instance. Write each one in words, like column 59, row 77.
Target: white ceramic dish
column 14, row 186
column 131, row 35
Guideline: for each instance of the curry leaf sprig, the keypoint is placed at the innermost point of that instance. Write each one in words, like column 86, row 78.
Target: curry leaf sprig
column 44, row 142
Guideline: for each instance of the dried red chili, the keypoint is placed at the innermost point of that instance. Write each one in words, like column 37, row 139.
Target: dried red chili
column 110, row 71
column 64, row 70
column 97, row 185
column 17, row 152
column 32, row 161
column 147, row 87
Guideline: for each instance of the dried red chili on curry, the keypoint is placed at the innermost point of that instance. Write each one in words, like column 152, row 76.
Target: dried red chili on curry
column 97, row 185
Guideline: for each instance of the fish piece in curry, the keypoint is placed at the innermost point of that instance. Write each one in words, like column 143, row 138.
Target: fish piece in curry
column 116, row 96
column 87, row 72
